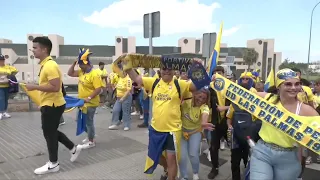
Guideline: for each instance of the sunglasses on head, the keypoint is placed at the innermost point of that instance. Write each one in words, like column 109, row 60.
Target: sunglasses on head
column 290, row 84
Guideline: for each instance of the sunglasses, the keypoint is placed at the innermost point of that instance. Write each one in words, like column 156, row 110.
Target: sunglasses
column 290, row 84
column 246, row 79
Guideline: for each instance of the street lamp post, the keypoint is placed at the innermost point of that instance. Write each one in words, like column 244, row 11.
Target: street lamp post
column 310, row 37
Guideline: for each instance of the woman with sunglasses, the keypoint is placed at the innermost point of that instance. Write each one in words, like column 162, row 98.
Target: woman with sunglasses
column 276, row 156
column 195, row 114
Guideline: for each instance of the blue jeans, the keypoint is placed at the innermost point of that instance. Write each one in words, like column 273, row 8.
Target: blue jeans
column 90, row 130
column 145, row 104
column 125, row 106
column 4, row 97
column 190, row 148
column 270, row 164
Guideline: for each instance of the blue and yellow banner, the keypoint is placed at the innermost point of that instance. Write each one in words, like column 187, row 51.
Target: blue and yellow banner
column 304, row 130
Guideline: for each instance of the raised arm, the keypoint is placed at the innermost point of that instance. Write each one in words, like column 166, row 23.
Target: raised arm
column 135, row 77
column 72, row 72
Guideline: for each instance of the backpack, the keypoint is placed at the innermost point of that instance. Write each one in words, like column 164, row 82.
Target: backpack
column 13, row 84
column 176, row 83
column 242, row 124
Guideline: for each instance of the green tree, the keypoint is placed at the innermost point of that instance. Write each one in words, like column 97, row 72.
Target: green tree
column 250, row 56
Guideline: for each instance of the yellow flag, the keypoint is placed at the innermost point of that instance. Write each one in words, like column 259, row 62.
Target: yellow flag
column 34, row 95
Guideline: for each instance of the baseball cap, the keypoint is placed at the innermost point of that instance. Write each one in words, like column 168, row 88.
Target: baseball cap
column 2, row 57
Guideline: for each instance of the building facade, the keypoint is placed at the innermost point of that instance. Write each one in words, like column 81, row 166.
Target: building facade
column 21, row 56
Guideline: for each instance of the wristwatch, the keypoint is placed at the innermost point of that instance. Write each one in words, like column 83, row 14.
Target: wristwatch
column 89, row 98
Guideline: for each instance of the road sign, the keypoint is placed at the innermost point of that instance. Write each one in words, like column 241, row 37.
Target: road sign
column 151, row 20
column 208, row 42
column 230, row 59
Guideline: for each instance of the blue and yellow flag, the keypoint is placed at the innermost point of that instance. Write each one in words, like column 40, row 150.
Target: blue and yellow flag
column 157, row 141
column 270, row 81
column 71, row 104
column 256, row 74
column 213, row 61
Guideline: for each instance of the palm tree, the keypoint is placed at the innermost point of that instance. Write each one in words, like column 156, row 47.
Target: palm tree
column 250, row 56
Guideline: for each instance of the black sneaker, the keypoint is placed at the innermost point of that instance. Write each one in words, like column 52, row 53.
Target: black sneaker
column 213, row 173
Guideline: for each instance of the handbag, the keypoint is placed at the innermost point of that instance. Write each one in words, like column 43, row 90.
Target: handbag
column 4, row 79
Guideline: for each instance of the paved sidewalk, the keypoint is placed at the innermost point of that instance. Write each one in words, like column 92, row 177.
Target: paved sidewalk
column 118, row 154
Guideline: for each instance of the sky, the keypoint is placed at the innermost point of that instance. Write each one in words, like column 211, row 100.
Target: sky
column 97, row 22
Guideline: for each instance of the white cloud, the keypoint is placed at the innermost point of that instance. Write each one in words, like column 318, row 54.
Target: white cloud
column 177, row 16
column 229, row 32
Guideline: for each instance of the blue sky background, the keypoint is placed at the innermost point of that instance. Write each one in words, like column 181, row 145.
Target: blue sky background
column 287, row 21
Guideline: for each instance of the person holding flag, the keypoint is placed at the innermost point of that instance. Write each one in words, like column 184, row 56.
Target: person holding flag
column 89, row 88
column 52, row 105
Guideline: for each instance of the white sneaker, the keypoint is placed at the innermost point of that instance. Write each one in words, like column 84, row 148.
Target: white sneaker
column 113, row 127
column 195, row 177
column 1, row 116
column 222, row 145
column 88, row 145
column 141, row 116
column 75, row 153
column 6, row 115
column 209, row 157
column 126, row 129
column 134, row 113
column 47, row 168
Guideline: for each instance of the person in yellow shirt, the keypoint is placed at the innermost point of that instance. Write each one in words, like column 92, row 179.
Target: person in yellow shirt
column 113, row 80
column 195, row 115
column 89, row 87
column 123, row 103
column 242, row 124
column 166, row 116
column 276, row 150
column 317, row 95
column 306, row 95
column 5, row 71
column 52, row 105
column 218, row 107
column 104, row 78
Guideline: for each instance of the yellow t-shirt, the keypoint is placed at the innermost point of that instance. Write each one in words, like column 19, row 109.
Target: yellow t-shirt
column 156, row 75
column 123, row 85
column 306, row 95
column 49, row 71
column 5, row 71
column 166, row 104
column 114, row 78
column 270, row 134
column 88, row 83
column 102, row 73
column 191, row 115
